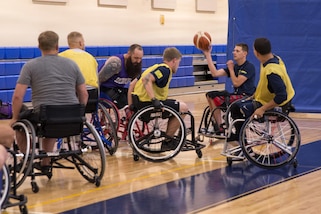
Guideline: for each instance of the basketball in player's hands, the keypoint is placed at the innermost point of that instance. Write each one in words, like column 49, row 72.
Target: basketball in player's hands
column 202, row 40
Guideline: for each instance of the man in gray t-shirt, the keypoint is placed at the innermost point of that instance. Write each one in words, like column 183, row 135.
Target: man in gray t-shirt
column 53, row 80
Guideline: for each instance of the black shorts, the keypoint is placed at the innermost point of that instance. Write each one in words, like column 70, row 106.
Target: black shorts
column 116, row 95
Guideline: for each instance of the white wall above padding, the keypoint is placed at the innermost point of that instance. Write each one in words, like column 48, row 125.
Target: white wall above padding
column 113, row 2
column 164, row 4
column 206, row 5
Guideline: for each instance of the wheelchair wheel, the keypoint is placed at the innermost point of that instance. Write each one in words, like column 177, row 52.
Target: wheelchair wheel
column 112, row 110
column 24, row 159
column 91, row 161
column 147, row 134
column 271, row 141
column 106, row 129
column 6, row 184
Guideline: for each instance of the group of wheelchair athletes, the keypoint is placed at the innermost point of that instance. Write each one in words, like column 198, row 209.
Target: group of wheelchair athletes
column 68, row 77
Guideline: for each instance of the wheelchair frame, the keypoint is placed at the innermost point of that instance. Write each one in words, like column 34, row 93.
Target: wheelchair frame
column 9, row 196
column 147, row 134
column 280, row 143
column 64, row 122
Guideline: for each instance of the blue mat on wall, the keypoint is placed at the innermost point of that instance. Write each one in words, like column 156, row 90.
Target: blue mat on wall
column 293, row 27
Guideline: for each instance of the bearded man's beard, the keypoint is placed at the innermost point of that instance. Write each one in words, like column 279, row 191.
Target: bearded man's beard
column 133, row 69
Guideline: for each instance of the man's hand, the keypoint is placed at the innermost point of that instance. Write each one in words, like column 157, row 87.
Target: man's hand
column 157, row 104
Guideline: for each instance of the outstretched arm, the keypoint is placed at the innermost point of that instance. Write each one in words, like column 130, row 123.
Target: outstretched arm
column 211, row 66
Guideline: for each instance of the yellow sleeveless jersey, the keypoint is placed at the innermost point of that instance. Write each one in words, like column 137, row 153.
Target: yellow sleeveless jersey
column 86, row 63
column 262, row 94
column 162, row 74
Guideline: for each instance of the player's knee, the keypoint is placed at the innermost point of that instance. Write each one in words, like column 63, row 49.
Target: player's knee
column 183, row 107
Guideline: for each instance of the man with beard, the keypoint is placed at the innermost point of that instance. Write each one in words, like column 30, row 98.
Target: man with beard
column 118, row 72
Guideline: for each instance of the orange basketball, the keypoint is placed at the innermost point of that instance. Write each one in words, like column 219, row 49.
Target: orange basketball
column 202, row 40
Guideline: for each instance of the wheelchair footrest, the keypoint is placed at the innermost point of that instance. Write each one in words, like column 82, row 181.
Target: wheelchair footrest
column 189, row 145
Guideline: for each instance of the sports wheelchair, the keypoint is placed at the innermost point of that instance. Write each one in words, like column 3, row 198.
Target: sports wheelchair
column 102, row 119
column 120, row 117
column 268, row 142
column 76, row 149
column 8, row 195
column 148, row 139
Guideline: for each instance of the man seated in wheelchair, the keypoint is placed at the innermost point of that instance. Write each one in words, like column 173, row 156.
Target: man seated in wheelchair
column 118, row 72
column 87, row 64
column 273, row 90
column 242, row 75
column 151, row 88
column 54, row 80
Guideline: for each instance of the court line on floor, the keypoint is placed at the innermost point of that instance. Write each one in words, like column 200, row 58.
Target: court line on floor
column 105, row 187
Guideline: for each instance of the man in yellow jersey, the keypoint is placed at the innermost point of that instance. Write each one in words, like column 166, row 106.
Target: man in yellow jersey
column 274, row 88
column 152, row 88
column 85, row 61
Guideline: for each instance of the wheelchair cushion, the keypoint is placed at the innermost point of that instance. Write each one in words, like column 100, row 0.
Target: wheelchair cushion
column 57, row 121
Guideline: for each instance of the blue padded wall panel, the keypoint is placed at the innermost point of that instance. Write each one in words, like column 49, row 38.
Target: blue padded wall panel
column 11, row 81
column 189, row 70
column 102, row 51
column 37, row 52
column 93, row 50
column 114, row 50
column 2, row 82
column 2, row 51
column 221, row 58
column 4, row 96
column 190, row 80
column 101, row 62
column 293, row 27
column 13, row 68
column 27, row 52
column 12, row 53
column 187, row 60
column 2, row 68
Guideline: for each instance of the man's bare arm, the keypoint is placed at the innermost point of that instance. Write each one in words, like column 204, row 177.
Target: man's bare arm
column 112, row 66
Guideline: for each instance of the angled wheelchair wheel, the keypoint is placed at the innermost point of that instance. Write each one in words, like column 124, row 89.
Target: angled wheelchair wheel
column 22, row 157
column 6, row 185
column 147, row 134
column 91, row 160
column 112, row 110
column 271, row 141
column 106, row 129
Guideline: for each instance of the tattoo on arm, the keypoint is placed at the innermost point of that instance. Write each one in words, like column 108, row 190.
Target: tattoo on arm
column 146, row 79
column 111, row 67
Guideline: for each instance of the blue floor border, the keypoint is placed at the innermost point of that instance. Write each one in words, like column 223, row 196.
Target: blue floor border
column 207, row 189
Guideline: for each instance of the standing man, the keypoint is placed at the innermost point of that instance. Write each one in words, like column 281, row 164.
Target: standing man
column 242, row 75
column 118, row 72
column 54, row 80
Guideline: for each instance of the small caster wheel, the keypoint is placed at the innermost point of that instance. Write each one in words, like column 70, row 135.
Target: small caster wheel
column 23, row 209
column 199, row 153
column 34, row 187
column 229, row 161
column 136, row 157
column 97, row 182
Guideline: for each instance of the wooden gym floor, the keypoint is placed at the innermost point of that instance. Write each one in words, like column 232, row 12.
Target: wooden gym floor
column 188, row 184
